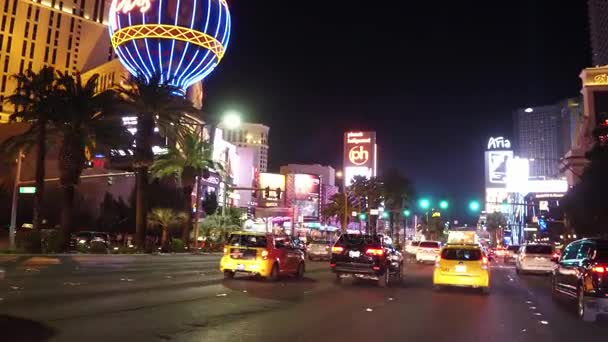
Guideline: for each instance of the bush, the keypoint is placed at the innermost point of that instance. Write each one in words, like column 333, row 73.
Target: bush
column 52, row 241
column 98, row 247
column 29, row 242
column 178, row 246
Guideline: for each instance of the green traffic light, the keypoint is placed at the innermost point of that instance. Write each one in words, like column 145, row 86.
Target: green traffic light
column 384, row 214
column 424, row 203
column 474, row 206
column 407, row 213
column 443, row 204
column 362, row 216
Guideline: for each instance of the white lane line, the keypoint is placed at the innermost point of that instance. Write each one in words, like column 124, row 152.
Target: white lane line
column 369, row 309
column 544, row 322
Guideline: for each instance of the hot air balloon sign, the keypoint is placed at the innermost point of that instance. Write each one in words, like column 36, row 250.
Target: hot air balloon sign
column 180, row 40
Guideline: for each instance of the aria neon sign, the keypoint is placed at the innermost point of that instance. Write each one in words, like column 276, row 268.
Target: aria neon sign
column 125, row 6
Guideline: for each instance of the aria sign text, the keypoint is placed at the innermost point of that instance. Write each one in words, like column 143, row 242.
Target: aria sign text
column 499, row 143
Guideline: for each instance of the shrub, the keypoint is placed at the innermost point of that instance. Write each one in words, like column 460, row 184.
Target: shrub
column 178, row 246
column 98, row 247
column 52, row 241
column 29, row 242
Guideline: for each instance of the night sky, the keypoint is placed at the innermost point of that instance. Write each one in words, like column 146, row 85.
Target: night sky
column 435, row 79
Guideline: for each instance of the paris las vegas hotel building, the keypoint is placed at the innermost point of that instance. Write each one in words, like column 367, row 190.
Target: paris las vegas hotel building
column 70, row 35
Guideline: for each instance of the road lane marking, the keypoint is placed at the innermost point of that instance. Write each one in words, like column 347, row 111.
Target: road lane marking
column 369, row 309
column 544, row 322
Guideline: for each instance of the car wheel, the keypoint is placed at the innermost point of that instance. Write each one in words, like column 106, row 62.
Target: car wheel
column 274, row 273
column 228, row 274
column 300, row 271
column 585, row 313
column 384, row 279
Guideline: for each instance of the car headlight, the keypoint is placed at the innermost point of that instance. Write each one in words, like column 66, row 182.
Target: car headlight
column 82, row 241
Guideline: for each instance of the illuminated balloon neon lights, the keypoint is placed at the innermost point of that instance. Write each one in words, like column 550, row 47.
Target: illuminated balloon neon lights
column 125, row 6
column 182, row 41
column 167, row 31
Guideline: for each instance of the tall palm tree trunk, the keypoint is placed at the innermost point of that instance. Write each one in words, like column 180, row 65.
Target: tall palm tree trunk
column 143, row 160
column 188, row 208
column 67, row 212
column 40, row 172
column 141, row 205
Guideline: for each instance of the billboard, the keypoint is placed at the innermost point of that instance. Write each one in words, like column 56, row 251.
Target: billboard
column 304, row 195
column 271, row 181
column 360, row 155
column 496, row 168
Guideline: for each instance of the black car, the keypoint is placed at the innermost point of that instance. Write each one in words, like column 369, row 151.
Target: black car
column 582, row 274
column 85, row 239
column 366, row 256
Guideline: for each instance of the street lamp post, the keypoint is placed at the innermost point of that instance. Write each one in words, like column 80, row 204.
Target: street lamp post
column 13, row 227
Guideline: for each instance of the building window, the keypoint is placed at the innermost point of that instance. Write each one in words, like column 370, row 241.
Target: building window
column 1, row 41
column 35, row 32
column 46, row 54
column 54, row 58
column 3, row 22
column 5, row 66
column 3, row 83
column 58, row 20
column 23, row 48
column 37, row 15
column 9, row 41
column 29, row 11
column 29, row 65
column 21, row 66
column 67, row 60
column 27, row 30
column 5, row 6
column 14, row 6
column 12, row 25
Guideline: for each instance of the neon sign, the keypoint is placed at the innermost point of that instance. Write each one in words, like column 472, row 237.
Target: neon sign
column 499, row 143
column 358, row 155
column 125, row 6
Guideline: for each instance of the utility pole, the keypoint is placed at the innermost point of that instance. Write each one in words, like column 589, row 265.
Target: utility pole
column 13, row 227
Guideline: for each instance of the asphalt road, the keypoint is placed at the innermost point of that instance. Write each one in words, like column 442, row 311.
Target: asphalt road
column 184, row 298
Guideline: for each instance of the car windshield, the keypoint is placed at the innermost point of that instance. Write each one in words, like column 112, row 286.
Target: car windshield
column 513, row 248
column 461, row 254
column 539, row 249
column 349, row 240
column 429, row 244
column 244, row 240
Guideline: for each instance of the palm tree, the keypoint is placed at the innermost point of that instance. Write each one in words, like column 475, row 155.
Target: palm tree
column 397, row 191
column 188, row 159
column 36, row 102
column 165, row 218
column 83, row 122
column 495, row 223
column 368, row 191
column 156, row 104
column 335, row 207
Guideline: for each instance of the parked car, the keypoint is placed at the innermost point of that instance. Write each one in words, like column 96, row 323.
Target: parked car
column 582, row 274
column 263, row 254
column 85, row 239
column 366, row 256
column 319, row 250
column 428, row 251
column 535, row 258
column 511, row 254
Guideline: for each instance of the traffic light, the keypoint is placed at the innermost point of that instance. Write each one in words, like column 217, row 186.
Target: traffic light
column 407, row 213
column 385, row 214
column 474, row 206
column 267, row 192
column 424, row 204
column 443, row 204
column 278, row 192
column 362, row 216
column 542, row 223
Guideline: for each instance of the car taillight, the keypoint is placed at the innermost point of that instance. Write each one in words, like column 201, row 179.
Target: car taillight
column 599, row 269
column 484, row 260
column 225, row 250
column 337, row 249
column 264, row 254
column 555, row 256
column 375, row 251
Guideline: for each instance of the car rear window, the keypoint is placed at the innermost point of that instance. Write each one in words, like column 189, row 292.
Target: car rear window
column 462, row 254
column 429, row 245
column 320, row 242
column 602, row 253
column 243, row 240
column 539, row 249
column 513, row 248
column 349, row 240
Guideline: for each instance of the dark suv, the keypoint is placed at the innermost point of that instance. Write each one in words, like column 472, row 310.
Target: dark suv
column 582, row 274
column 367, row 257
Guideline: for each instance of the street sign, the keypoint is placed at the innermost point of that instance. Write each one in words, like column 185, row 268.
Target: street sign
column 374, row 212
column 436, row 214
column 354, row 214
column 27, row 189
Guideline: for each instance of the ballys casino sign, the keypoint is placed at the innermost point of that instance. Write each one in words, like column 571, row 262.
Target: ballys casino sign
column 360, row 153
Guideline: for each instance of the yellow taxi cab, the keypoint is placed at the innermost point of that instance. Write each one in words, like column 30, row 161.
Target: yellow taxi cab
column 261, row 254
column 462, row 265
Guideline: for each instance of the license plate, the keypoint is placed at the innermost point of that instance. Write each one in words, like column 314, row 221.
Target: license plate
column 240, row 267
column 461, row 268
column 354, row 254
